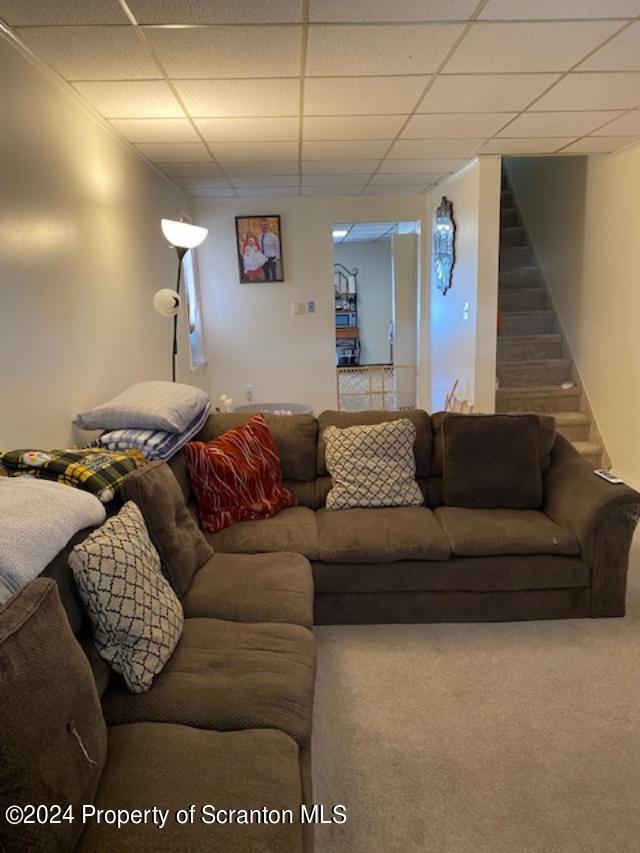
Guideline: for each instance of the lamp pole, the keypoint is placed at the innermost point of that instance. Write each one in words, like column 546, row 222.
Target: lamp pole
column 181, row 252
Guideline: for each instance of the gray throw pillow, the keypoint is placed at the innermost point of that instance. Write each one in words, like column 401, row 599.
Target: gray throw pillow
column 372, row 466
column 136, row 616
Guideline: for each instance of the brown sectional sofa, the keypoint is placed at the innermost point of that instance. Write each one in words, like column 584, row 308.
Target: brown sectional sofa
column 438, row 563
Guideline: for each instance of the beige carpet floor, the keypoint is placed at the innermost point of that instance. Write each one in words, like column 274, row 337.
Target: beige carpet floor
column 516, row 737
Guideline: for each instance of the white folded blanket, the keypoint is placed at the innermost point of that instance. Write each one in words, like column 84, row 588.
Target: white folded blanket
column 37, row 519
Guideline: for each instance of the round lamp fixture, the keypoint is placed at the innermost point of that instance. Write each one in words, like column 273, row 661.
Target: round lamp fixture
column 166, row 302
column 183, row 235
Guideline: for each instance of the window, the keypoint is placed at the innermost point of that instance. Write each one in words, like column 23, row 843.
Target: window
column 193, row 312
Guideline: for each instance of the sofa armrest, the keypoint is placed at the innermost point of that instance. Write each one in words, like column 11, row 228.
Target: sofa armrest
column 601, row 515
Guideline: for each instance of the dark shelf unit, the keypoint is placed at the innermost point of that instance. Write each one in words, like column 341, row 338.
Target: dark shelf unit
column 346, row 314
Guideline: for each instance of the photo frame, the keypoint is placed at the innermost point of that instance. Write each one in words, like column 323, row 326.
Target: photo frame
column 259, row 248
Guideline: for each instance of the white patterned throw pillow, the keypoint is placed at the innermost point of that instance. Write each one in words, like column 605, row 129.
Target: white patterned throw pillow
column 136, row 616
column 372, row 466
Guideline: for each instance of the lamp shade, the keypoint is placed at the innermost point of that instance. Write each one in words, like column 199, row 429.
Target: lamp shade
column 166, row 302
column 183, row 235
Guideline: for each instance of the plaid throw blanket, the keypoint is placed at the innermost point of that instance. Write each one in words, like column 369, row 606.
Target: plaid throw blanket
column 95, row 470
column 153, row 444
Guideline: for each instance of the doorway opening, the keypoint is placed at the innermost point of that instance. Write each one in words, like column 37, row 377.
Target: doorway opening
column 376, row 285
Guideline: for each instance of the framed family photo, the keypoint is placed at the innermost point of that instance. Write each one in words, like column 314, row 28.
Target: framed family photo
column 259, row 245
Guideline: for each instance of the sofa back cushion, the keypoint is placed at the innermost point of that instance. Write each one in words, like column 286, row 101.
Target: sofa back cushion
column 172, row 529
column 419, row 418
column 491, row 461
column 53, row 737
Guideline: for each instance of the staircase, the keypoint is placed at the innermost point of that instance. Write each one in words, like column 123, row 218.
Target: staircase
column 532, row 358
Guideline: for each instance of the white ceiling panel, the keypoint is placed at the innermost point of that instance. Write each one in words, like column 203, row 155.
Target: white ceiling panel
column 229, row 51
column 263, row 192
column 347, row 127
column 549, row 9
column 236, row 98
column 335, row 180
column 398, row 10
column 528, row 47
column 91, row 53
column 265, row 180
column 155, row 129
column 423, row 165
column 470, row 93
column 399, row 189
column 626, row 125
column 212, row 192
column 131, row 99
column 191, row 170
column 254, row 151
column 339, row 167
column 533, row 125
column 410, row 179
column 216, row 11
column 600, row 144
column 429, row 126
column 344, row 150
column 249, row 129
column 524, row 146
column 392, row 49
column 60, row 12
column 174, row 152
column 620, row 54
column 350, row 96
column 203, row 183
column 250, row 167
column 593, row 91
column 331, row 191
column 422, row 148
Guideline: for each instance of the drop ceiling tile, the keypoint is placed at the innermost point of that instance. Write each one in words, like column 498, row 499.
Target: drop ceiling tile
column 461, row 125
column 484, row 92
column 422, row 165
column 265, row 180
column 274, row 167
column 528, row 47
column 344, row 150
column 335, row 180
column 190, row 170
column 398, row 189
column 236, row 98
column 91, row 53
column 409, row 179
column 212, row 192
column 593, row 91
column 131, row 99
column 155, row 129
column 422, row 148
column 603, row 144
column 203, row 183
column 339, row 167
column 398, row 10
column 391, row 49
column 351, row 96
column 557, row 124
column 249, row 129
column 229, row 51
column 266, row 192
column 61, row 12
column 254, row 151
column 625, row 125
column 339, row 189
column 548, row 9
column 347, row 127
column 525, row 146
column 218, row 12
column 620, row 54
column 174, row 152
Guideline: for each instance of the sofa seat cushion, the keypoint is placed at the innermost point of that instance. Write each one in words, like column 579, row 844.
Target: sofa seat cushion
column 380, row 535
column 489, row 532
column 294, row 529
column 228, row 675
column 253, row 588
column 170, row 767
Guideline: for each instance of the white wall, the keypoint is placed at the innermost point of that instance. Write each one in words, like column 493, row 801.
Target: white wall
column 465, row 349
column 81, row 255
column 584, row 218
column 375, row 292
column 252, row 337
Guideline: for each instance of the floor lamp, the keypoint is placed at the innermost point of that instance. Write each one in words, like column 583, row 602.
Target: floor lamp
column 182, row 236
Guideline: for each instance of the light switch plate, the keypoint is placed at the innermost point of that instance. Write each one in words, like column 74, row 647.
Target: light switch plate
column 297, row 307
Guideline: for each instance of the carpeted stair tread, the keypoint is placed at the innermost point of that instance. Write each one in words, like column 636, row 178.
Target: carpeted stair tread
column 571, row 418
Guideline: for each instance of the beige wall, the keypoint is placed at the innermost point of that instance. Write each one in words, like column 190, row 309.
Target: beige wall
column 405, row 297
column 81, row 255
column 465, row 348
column 584, row 218
column 252, row 336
